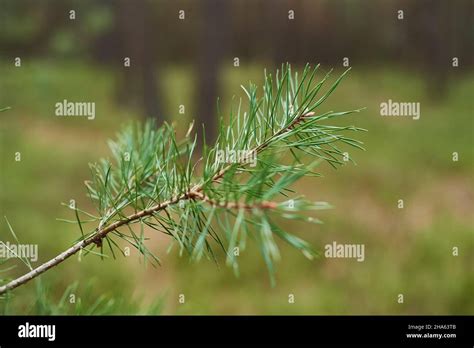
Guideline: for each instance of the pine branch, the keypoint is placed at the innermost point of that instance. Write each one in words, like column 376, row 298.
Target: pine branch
column 153, row 182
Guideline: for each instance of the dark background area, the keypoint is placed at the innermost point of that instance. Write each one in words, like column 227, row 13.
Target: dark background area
column 214, row 32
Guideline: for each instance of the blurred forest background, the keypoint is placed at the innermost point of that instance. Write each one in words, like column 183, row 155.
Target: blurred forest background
column 191, row 62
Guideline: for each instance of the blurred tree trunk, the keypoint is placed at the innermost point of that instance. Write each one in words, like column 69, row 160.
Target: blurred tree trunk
column 151, row 90
column 429, row 33
column 212, row 48
column 134, row 31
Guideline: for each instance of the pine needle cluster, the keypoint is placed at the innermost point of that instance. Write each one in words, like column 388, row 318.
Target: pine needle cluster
column 156, row 180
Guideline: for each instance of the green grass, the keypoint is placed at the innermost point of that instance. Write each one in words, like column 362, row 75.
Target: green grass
column 407, row 251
